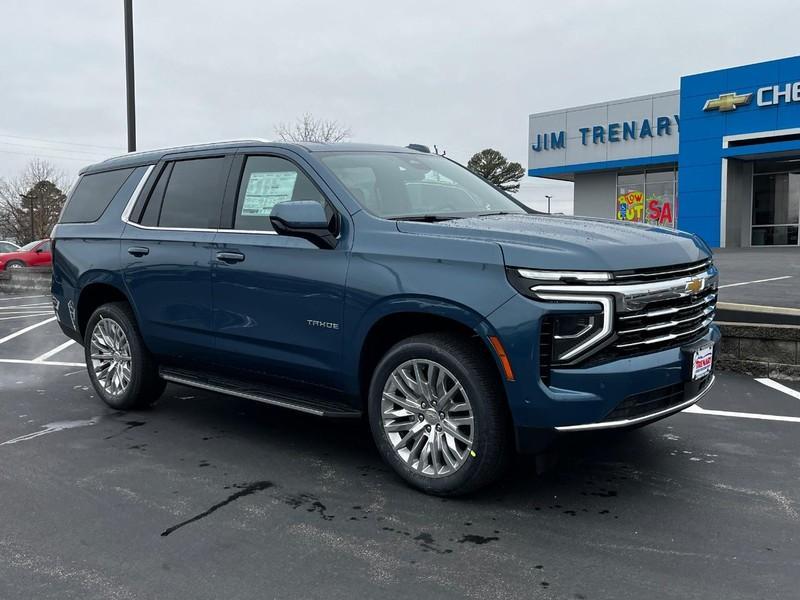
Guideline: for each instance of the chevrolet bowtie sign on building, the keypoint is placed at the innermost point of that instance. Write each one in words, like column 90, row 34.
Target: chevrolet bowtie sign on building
column 719, row 157
column 726, row 102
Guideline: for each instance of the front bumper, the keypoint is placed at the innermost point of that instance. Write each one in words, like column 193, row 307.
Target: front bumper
column 645, row 418
column 587, row 397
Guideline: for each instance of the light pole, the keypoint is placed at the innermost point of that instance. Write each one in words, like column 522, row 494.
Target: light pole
column 548, row 203
column 129, row 80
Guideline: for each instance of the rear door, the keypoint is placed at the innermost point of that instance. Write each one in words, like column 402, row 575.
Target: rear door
column 278, row 301
column 167, row 252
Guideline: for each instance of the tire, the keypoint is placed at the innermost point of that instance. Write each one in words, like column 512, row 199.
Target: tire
column 137, row 384
column 15, row 264
column 448, row 360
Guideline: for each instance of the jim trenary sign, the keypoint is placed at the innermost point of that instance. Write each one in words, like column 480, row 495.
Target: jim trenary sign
column 609, row 133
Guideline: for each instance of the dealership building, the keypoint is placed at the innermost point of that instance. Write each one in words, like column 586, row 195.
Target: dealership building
column 719, row 157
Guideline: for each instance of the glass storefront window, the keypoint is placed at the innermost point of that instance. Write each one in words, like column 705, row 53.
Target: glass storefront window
column 648, row 197
column 776, row 207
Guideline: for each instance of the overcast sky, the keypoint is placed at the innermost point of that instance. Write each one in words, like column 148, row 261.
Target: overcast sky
column 460, row 74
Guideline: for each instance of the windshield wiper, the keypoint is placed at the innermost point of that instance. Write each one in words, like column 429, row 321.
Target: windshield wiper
column 499, row 212
column 424, row 218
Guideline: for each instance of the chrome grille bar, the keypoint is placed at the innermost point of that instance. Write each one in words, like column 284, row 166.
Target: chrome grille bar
column 669, row 337
column 667, row 273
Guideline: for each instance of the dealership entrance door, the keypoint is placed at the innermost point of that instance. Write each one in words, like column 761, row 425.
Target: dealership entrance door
column 775, row 209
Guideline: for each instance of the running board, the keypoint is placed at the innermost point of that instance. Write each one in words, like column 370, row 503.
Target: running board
column 302, row 402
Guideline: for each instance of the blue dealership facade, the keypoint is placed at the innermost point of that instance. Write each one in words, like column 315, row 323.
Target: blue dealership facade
column 719, row 157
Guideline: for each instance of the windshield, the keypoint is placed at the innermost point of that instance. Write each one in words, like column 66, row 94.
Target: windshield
column 400, row 185
column 29, row 246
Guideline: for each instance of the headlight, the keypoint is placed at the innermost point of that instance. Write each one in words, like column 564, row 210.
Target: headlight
column 573, row 335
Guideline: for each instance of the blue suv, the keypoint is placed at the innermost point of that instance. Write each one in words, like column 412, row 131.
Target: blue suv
column 344, row 280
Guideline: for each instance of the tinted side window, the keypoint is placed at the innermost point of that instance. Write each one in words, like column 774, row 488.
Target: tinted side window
column 266, row 181
column 193, row 197
column 92, row 196
column 153, row 208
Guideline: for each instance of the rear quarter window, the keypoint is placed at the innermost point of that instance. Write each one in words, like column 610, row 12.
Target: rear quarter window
column 92, row 196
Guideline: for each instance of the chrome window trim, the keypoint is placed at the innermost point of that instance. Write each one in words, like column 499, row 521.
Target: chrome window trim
column 608, row 323
column 126, row 214
column 642, row 419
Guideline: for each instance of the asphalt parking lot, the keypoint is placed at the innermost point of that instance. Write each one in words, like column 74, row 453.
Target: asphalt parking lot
column 760, row 276
column 207, row 496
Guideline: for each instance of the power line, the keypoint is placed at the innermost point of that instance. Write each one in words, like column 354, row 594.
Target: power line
column 62, row 142
column 85, row 161
column 94, row 153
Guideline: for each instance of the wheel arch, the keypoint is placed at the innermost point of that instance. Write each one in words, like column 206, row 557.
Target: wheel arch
column 404, row 318
column 93, row 295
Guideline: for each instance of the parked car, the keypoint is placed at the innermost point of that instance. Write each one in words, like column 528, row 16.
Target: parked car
column 35, row 254
column 6, row 246
column 344, row 280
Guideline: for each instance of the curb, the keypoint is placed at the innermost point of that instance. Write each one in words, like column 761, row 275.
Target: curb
column 30, row 279
column 760, row 350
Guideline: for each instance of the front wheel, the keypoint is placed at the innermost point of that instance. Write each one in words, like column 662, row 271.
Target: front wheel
column 438, row 414
column 122, row 370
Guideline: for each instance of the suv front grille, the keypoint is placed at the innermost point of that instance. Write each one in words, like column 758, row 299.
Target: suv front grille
column 665, row 323
column 661, row 273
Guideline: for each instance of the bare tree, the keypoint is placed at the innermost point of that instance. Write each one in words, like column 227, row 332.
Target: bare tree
column 31, row 202
column 308, row 128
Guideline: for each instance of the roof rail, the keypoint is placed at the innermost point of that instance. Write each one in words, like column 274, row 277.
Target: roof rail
column 186, row 146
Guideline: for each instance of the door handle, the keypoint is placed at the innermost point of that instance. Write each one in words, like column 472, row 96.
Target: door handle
column 138, row 250
column 230, row 257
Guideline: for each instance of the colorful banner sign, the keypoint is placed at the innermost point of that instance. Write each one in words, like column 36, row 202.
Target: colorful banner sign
column 630, row 206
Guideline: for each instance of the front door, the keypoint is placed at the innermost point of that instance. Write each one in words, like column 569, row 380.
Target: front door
column 278, row 301
column 776, row 203
column 166, row 254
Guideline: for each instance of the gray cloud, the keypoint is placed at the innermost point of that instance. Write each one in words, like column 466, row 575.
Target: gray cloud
column 463, row 75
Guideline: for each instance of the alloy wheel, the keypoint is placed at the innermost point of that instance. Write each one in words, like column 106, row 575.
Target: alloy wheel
column 427, row 418
column 111, row 356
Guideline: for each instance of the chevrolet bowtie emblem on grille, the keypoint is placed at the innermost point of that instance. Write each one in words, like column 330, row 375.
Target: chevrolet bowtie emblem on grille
column 727, row 102
column 695, row 285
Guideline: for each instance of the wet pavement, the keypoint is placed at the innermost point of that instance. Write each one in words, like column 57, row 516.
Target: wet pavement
column 207, row 496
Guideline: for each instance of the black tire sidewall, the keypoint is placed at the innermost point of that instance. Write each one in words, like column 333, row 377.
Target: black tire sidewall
column 10, row 264
column 484, row 422
column 131, row 398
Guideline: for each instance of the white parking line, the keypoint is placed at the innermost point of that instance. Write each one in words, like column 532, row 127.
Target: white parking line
column 779, row 386
column 38, row 305
column 52, row 428
column 25, row 330
column 54, row 351
column 20, row 297
column 47, row 363
column 28, row 316
column 741, row 415
column 727, row 285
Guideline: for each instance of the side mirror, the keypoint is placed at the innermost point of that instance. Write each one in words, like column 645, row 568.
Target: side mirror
column 305, row 219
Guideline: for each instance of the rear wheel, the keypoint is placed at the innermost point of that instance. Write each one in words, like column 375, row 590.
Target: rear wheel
column 15, row 264
column 122, row 370
column 437, row 413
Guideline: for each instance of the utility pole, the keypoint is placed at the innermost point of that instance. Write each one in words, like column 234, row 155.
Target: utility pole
column 129, row 80
column 548, row 203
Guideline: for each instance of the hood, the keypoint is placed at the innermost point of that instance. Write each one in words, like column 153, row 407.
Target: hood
column 577, row 243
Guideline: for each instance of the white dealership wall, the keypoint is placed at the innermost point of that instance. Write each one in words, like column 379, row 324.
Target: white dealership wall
column 593, row 164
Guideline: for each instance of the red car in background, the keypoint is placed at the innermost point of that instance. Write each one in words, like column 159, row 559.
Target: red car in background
column 35, row 254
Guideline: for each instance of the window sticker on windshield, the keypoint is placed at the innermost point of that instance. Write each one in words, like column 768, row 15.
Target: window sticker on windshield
column 265, row 190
